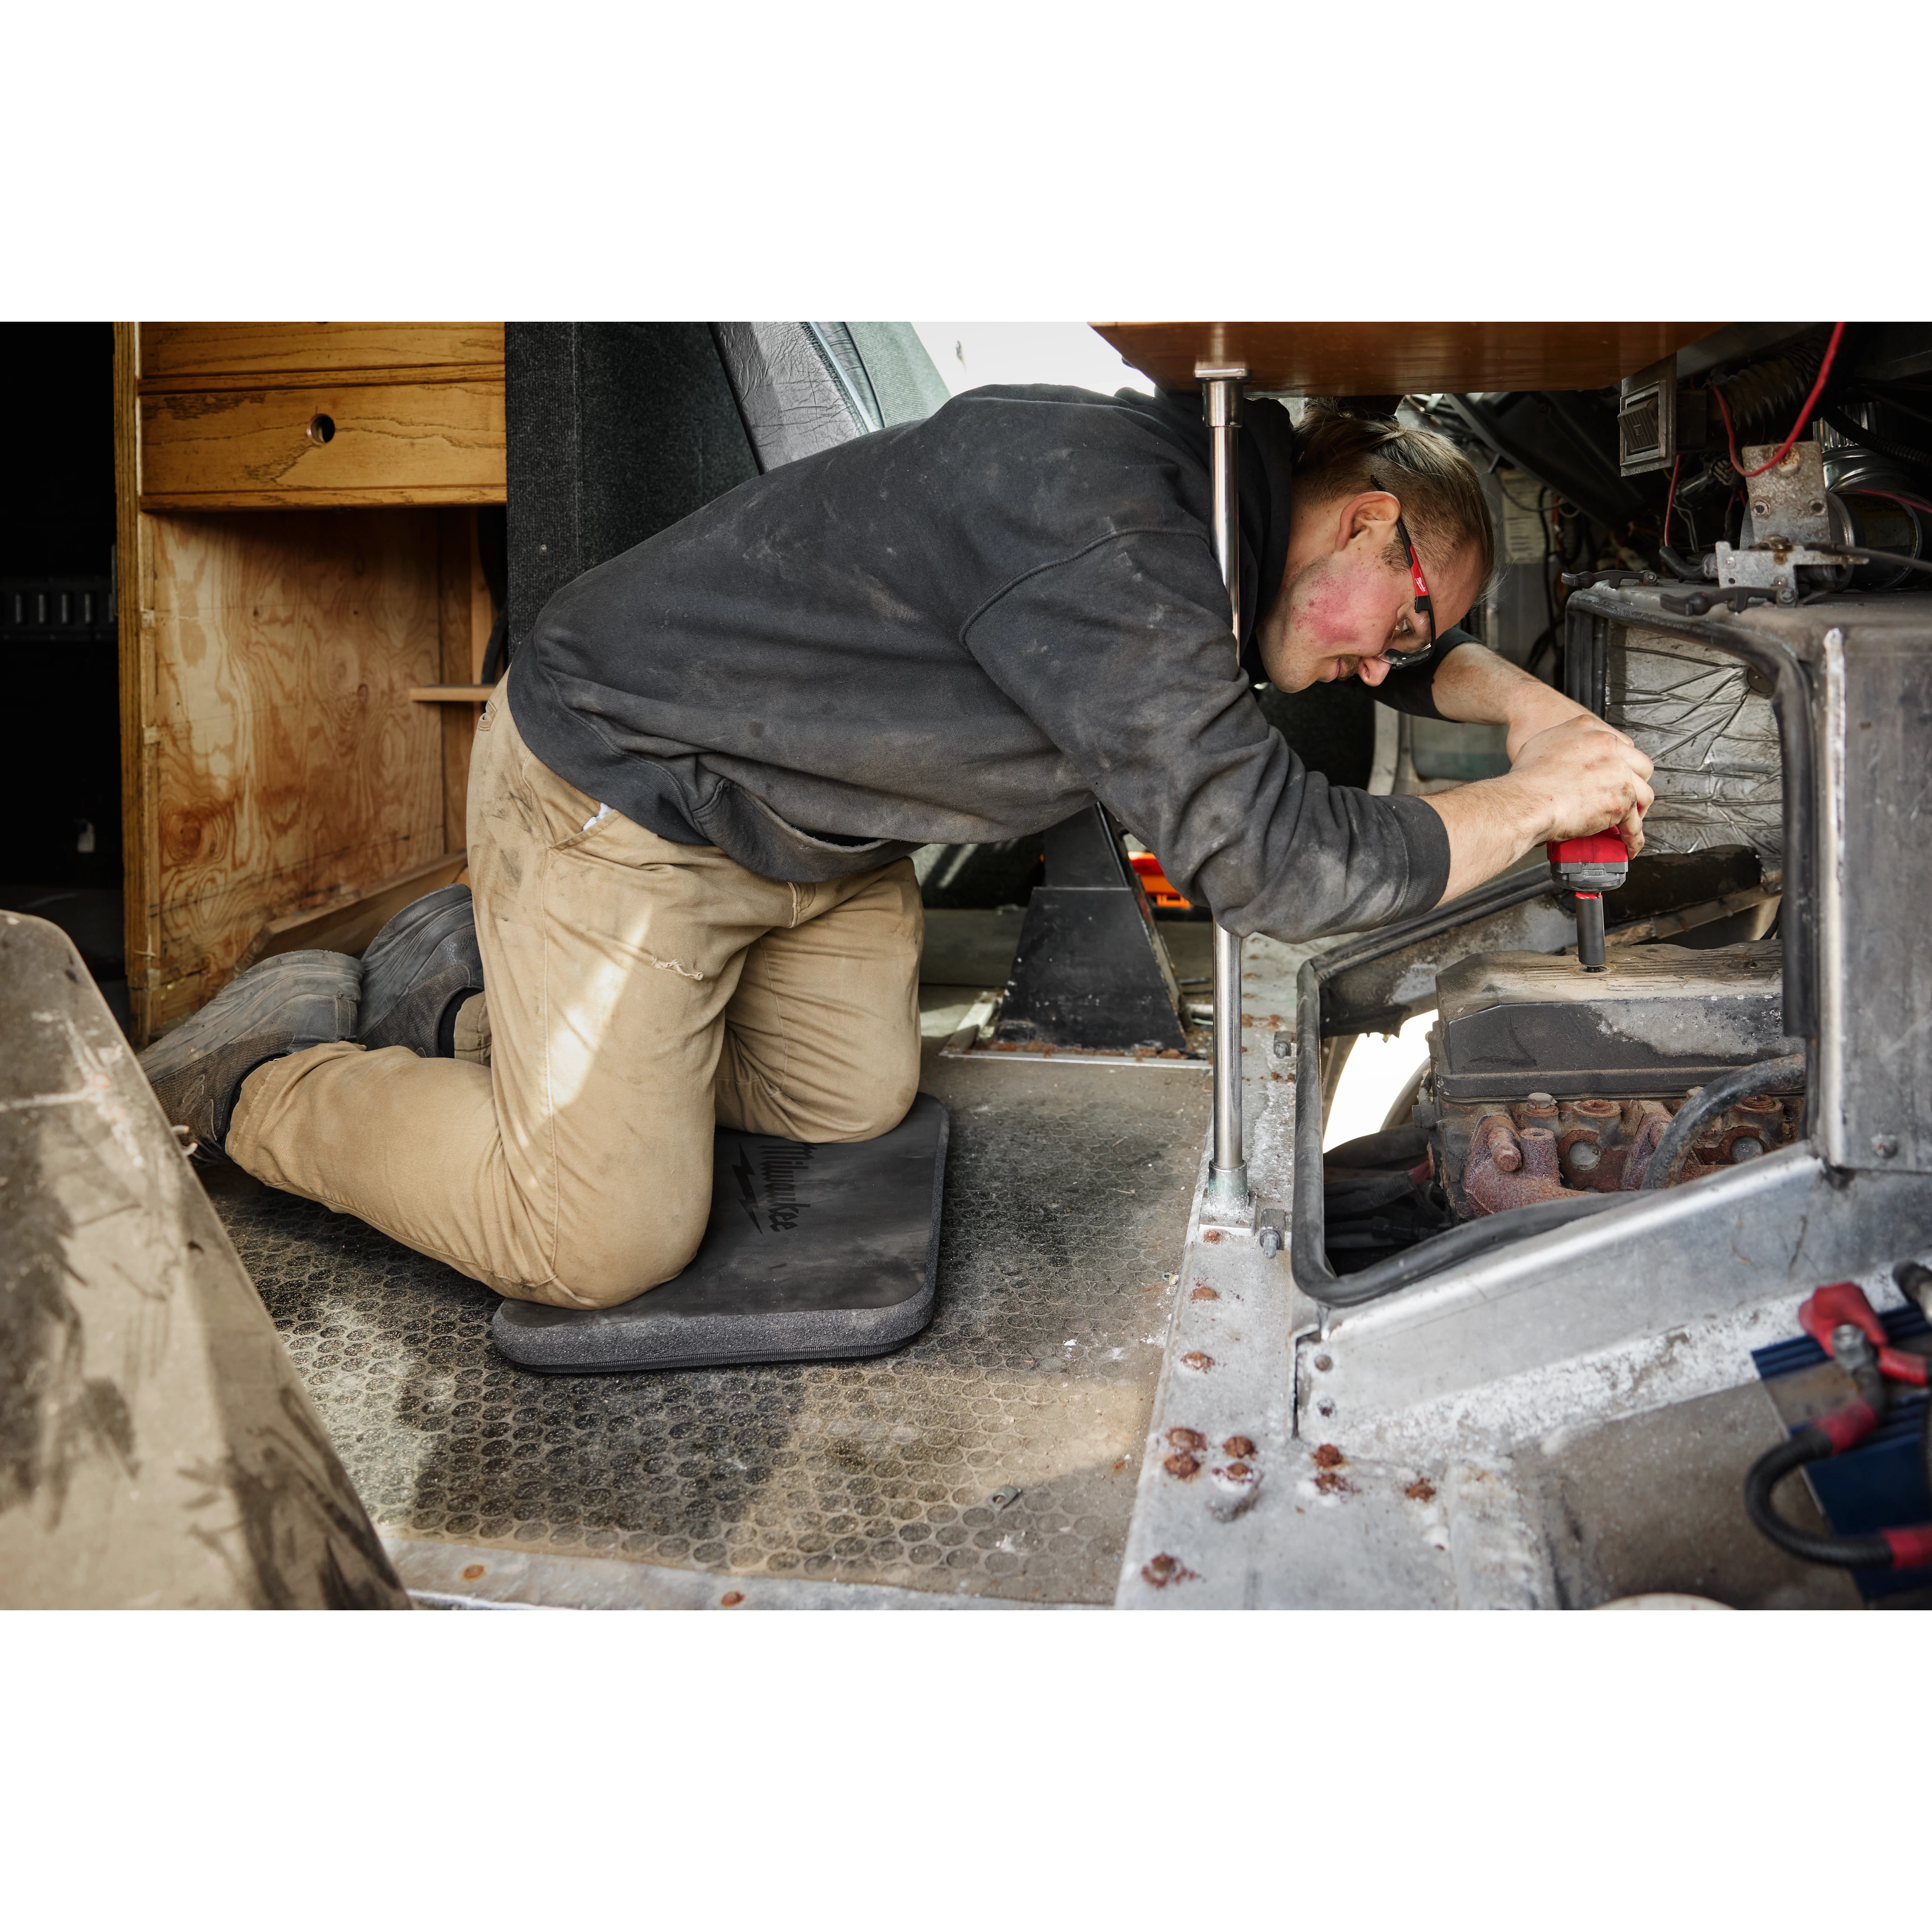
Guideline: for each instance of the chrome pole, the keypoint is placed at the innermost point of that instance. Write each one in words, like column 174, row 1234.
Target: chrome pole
column 1221, row 386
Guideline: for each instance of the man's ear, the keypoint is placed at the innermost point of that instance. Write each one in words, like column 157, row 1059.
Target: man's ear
column 1368, row 518
column 1373, row 519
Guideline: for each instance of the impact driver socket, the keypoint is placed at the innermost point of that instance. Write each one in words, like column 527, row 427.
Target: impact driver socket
column 1590, row 867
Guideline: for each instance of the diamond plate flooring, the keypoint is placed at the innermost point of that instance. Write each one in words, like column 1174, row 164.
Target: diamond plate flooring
column 996, row 1454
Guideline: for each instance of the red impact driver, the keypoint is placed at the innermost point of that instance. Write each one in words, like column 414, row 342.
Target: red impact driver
column 1590, row 867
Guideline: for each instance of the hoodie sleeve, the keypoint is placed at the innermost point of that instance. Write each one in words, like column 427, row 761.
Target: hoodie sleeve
column 1122, row 655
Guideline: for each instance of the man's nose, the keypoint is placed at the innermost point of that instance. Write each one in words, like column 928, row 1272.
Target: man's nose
column 1373, row 670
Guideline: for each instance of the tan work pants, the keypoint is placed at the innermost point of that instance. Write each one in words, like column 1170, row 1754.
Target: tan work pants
column 638, row 991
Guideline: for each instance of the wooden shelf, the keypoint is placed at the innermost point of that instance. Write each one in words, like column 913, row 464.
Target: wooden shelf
column 298, row 720
column 1392, row 358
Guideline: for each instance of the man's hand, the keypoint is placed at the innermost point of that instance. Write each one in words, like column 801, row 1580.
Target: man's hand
column 1571, row 779
column 1585, row 776
column 1533, row 708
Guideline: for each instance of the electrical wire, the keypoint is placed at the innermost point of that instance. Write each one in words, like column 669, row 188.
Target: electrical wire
column 1890, row 495
column 1670, row 502
column 1859, row 554
column 1784, row 449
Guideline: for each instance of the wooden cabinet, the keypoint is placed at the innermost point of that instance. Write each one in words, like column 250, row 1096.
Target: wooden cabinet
column 285, row 583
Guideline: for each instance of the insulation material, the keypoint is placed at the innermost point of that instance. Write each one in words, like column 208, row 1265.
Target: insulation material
column 1719, row 779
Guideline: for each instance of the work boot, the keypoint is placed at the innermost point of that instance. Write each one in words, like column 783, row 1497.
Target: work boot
column 418, row 971
column 293, row 1000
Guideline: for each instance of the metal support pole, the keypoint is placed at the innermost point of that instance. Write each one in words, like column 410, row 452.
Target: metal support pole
column 1221, row 386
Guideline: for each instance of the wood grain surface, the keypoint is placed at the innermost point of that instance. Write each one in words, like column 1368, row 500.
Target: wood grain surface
column 140, row 743
column 465, row 615
column 1374, row 359
column 347, row 924
column 242, row 447
column 176, row 349
column 293, row 770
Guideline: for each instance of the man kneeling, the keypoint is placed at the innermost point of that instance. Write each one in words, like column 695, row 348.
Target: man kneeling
column 693, row 797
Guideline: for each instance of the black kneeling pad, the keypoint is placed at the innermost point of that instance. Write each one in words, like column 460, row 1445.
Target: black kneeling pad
column 814, row 1252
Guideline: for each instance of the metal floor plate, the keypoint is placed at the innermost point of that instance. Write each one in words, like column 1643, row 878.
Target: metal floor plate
column 1067, row 1191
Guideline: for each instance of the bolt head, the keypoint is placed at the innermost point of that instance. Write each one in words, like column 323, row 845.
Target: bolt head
column 1746, row 1147
column 1886, row 1146
column 1585, row 1155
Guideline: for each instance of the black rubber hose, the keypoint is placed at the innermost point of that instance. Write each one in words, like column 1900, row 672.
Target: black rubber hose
column 1681, row 567
column 1787, row 1073
column 1459, row 1244
column 1910, row 453
column 1842, row 1552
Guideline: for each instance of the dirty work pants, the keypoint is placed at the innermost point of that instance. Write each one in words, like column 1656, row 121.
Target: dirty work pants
column 638, row 991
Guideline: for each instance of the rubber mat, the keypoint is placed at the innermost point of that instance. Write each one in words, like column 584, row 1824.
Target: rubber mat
column 812, row 1252
column 996, row 1453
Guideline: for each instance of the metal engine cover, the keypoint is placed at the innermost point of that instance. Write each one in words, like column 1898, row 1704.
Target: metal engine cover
column 1661, row 1019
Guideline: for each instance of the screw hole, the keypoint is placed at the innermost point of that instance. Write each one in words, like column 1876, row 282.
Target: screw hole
column 321, row 428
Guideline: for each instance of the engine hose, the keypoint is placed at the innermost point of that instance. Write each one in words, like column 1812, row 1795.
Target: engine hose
column 1810, row 1444
column 1909, row 453
column 1786, row 1074
column 1770, row 392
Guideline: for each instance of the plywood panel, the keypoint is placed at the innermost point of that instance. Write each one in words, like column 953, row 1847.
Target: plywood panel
column 348, row 925
column 137, row 681
column 399, row 442
column 293, row 769
column 466, row 618
column 1389, row 358
column 171, row 349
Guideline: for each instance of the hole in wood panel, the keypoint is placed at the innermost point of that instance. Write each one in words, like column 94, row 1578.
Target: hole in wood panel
column 321, row 428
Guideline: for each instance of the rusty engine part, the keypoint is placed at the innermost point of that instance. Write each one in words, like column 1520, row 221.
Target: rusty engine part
column 1493, row 1155
column 1546, row 1084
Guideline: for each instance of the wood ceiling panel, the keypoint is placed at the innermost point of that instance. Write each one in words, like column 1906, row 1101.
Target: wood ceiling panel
column 1379, row 359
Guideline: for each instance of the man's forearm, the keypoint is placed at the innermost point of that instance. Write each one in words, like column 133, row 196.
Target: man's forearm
column 1491, row 824
column 1473, row 685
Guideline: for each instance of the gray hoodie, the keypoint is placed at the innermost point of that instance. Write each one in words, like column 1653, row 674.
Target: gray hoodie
column 963, row 629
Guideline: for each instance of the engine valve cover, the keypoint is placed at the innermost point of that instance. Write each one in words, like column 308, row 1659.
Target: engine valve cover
column 1660, row 1020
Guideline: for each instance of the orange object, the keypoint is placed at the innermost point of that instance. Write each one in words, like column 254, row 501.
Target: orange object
column 1158, row 886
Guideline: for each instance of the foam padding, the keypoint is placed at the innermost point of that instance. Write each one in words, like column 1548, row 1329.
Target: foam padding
column 814, row 1251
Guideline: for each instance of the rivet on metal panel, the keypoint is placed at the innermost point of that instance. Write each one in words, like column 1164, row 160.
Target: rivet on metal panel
column 1182, row 1465
column 732, row 1599
column 1163, row 1569
column 1194, row 1359
column 1187, row 1438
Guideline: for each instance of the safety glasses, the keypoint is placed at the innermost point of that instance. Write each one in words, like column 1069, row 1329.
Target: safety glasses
column 1425, row 605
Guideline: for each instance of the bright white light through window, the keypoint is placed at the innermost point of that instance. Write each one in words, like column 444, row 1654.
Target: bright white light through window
column 1379, row 1068
column 969, row 355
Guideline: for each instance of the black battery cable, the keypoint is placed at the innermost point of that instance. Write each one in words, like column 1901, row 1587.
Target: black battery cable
column 1839, row 1319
